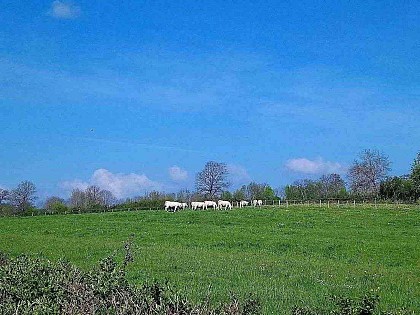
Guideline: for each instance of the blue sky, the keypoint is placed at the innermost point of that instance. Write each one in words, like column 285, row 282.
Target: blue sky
column 138, row 95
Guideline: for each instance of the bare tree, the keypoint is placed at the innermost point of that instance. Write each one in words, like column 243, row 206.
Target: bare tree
column 93, row 196
column 107, row 198
column 259, row 191
column 55, row 204
column 184, row 195
column 153, row 195
column 302, row 187
column 281, row 192
column 78, row 199
column 51, row 201
column 331, row 185
column 240, row 194
column 254, row 191
column 212, row 180
column 23, row 196
column 366, row 174
column 4, row 195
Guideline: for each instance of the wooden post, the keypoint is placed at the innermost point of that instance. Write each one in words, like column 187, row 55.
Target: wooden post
column 338, row 203
column 287, row 203
column 279, row 202
column 328, row 203
column 320, row 203
column 354, row 203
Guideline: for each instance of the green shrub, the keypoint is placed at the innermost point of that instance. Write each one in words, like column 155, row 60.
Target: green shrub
column 6, row 210
column 366, row 305
column 58, row 207
column 38, row 286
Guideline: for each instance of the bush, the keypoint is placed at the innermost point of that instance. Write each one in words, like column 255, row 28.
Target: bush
column 58, row 207
column 365, row 305
column 38, row 286
column 6, row 210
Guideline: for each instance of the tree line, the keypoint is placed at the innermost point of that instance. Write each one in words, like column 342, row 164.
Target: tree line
column 367, row 178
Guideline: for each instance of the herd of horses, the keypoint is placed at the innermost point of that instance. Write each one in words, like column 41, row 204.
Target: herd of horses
column 221, row 204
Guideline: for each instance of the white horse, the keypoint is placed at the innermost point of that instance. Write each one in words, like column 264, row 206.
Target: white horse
column 210, row 204
column 224, row 204
column 243, row 203
column 184, row 205
column 256, row 203
column 198, row 205
column 172, row 205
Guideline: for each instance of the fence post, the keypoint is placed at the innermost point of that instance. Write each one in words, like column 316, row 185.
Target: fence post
column 320, row 203
column 287, row 203
column 279, row 202
column 376, row 206
column 354, row 203
column 338, row 203
column 328, row 203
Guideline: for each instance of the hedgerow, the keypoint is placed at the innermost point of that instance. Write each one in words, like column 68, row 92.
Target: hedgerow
column 32, row 285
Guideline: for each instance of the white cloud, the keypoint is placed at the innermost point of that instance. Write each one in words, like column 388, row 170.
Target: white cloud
column 238, row 175
column 121, row 185
column 64, row 10
column 177, row 174
column 74, row 184
column 318, row 166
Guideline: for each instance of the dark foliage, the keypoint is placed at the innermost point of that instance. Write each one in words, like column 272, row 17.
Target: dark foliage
column 366, row 305
column 38, row 286
column 329, row 186
column 398, row 188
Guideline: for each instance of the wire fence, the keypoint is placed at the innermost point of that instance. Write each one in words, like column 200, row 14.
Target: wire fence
column 280, row 204
column 334, row 203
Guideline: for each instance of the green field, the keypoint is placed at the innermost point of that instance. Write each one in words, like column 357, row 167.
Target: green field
column 294, row 256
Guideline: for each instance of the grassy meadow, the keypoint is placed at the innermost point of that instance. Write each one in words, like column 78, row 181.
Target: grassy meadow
column 287, row 256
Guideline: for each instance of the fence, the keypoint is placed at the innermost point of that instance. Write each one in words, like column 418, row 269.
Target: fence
column 337, row 203
column 282, row 203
